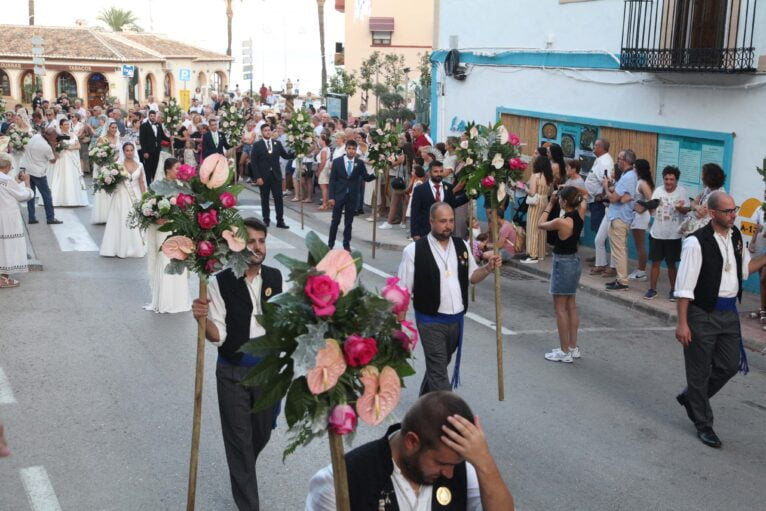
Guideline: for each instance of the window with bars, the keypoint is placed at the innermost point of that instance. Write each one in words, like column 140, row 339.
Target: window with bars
column 381, row 38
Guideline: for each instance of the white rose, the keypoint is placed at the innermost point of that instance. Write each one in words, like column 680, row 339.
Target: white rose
column 113, row 172
column 291, row 138
column 108, row 180
column 172, row 201
column 464, row 144
column 469, row 161
column 232, row 109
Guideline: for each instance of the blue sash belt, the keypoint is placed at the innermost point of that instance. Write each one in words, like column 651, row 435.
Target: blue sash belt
column 447, row 319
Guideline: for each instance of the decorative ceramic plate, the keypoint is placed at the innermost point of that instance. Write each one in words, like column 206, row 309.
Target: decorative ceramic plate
column 550, row 131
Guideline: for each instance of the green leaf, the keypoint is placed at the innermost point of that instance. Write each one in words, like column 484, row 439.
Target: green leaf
column 175, row 267
column 272, row 394
column 358, row 261
column 236, row 189
column 268, row 370
column 292, row 264
column 317, row 248
column 298, row 401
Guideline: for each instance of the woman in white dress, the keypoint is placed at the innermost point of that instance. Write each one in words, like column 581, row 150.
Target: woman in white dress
column 324, row 162
column 170, row 293
column 13, row 247
column 120, row 240
column 66, row 182
column 101, row 199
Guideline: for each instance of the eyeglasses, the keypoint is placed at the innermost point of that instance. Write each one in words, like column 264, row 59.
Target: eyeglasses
column 728, row 211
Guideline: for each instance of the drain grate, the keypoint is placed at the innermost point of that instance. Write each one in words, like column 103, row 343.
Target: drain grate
column 512, row 274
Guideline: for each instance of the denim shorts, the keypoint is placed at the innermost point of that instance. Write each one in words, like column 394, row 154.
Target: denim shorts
column 565, row 274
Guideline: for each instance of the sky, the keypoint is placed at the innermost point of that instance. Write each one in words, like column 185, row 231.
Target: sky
column 285, row 33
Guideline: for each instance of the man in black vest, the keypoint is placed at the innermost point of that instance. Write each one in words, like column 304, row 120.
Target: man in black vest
column 421, row 464
column 267, row 174
column 231, row 321
column 708, row 284
column 437, row 269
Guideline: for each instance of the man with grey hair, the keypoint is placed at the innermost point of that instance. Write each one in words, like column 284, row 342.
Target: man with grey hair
column 709, row 282
column 419, row 138
column 38, row 158
column 620, row 215
column 437, row 269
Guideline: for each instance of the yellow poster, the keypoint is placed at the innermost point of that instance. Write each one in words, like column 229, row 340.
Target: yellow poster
column 185, row 100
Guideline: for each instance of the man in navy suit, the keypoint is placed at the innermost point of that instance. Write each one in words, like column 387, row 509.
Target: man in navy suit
column 433, row 190
column 345, row 184
column 267, row 174
column 214, row 141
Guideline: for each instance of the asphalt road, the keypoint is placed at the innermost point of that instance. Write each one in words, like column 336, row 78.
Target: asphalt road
column 96, row 395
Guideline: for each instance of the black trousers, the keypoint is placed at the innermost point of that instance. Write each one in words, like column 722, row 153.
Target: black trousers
column 245, row 434
column 439, row 343
column 711, row 359
column 346, row 207
column 273, row 187
column 150, row 166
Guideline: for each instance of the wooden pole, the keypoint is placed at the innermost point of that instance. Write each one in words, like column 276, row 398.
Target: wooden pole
column 498, row 313
column 374, row 215
column 470, row 241
column 339, row 474
column 197, row 418
column 300, row 180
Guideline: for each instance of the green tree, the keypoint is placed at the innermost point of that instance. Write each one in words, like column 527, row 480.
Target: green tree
column 118, row 19
column 343, row 83
column 424, row 68
column 369, row 75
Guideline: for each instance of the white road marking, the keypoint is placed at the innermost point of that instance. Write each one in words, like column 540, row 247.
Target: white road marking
column 39, row 489
column 598, row 329
column 6, row 394
column 72, row 236
column 487, row 323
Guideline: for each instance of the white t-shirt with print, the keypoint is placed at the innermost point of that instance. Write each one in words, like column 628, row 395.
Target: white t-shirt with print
column 667, row 219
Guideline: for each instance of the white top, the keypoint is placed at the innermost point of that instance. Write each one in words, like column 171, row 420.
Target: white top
column 450, row 161
column 441, row 189
column 154, row 107
column 667, row 219
column 451, row 297
column 758, row 240
column 602, row 166
column 258, row 133
column 37, row 156
column 321, row 495
column 691, row 262
column 12, row 192
column 318, row 129
column 217, row 310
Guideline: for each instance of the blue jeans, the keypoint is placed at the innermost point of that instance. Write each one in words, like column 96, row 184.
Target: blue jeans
column 40, row 183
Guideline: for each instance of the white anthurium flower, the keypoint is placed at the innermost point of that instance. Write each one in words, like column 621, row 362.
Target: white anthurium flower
column 497, row 161
column 464, row 144
column 380, row 132
column 474, row 132
column 502, row 133
column 469, row 161
column 501, row 192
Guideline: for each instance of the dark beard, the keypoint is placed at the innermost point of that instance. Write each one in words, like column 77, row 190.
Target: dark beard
column 436, row 179
column 441, row 237
column 411, row 469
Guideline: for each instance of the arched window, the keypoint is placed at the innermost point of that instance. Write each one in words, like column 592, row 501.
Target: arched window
column 29, row 84
column 149, row 86
column 5, row 84
column 215, row 82
column 66, row 84
column 168, row 83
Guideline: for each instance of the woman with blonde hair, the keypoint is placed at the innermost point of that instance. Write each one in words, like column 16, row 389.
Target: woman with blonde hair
column 539, row 188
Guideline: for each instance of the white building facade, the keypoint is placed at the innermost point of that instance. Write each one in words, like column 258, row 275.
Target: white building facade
column 676, row 83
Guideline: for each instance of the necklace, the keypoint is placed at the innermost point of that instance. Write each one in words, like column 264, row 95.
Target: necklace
column 445, row 260
column 727, row 264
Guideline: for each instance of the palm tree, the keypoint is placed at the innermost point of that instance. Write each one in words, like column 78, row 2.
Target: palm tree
column 117, row 19
column 229, row 18
column 320, row 13
column 31, row 12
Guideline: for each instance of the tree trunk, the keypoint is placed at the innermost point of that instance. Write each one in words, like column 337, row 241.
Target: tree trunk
column 229, row 17
column 31, row 12
column 320, row 13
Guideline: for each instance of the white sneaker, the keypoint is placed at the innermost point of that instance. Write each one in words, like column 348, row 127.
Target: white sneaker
column 403, row 226
column 385, row 225
column 370, row 219
column 638, row 275
column 559, row 356
column 576, row 352
column 529, row 260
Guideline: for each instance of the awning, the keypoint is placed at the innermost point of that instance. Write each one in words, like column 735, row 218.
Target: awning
column 381, row 24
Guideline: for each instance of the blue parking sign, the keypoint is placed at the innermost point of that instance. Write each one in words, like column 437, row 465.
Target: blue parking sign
column 184, row 75
column 128, row 71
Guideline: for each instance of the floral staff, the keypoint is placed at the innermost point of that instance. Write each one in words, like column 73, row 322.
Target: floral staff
column 207, row 234
column 334, row 350
column 300, row 140
column 492, row 159
column 382, row 152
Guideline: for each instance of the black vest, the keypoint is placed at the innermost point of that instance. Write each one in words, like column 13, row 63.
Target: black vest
column 369, row 470
column 426, row 288
column 709, row 280
column 239, row 307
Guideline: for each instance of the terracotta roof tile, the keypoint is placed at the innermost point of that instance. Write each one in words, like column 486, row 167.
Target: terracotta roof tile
column 171, row 48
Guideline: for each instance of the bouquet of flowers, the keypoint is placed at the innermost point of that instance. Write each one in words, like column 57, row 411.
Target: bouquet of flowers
column 232, row 124
column 384, row 147
column 102, row 153
column 300, row 134
column 108, row 177
column 149, row 209
column 334, row 350
column 207, row 232
column 18, row 139
column 492, row 160
column 61, row 145
column 2, row 105
column 172, row 115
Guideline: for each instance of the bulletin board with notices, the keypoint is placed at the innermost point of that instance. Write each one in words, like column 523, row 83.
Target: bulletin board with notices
column 688, row 154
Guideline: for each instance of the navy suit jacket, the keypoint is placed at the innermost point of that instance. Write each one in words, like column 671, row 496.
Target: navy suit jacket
column 208, row 147
column 266, row 166
column 341, row 184
column 423, row 199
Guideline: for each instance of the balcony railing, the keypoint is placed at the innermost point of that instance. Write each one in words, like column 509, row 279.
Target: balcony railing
column 709, row 36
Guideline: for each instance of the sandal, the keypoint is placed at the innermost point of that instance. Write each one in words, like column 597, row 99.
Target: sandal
column 7, row 282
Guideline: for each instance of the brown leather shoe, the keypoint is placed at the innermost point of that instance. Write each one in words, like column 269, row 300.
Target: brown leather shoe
column 597, row 270
column 609, row 273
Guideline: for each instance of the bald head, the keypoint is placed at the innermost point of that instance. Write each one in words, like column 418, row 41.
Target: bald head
column 442, row 221
column 720, row 200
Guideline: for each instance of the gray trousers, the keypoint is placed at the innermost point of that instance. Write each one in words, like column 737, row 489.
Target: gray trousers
column 711, row 359
column 439, row 343
column 245, row 434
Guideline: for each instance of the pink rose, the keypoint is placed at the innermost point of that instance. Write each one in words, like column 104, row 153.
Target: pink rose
column 210, row 265
column 186, row 172
column 408, row 336
column 488, row 182
column 517, row 164
column 514, row 139
column 359, row 350
column 397, row 295
column 228, row 200
column 205, row 249
column 323, row 293
column 178, row 247
column 207, row 219
column 183, row 200
column 342, row 420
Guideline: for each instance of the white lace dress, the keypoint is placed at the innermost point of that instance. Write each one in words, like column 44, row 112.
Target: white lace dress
column 13, row 247
column 66, row 182
column 120, row 240
column 101, row 200
column 170, row 293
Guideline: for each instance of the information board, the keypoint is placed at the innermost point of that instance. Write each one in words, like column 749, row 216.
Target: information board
column 689, row 155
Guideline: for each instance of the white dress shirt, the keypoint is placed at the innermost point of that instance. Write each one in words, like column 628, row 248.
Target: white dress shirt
column 433, row 190
column 217, row 309
column 451, row 296
column 691, row 262
column 37, row 156
column 322, row 491
column 602, row 166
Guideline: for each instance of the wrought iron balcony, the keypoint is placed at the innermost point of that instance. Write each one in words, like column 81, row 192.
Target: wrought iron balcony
column 707, row 36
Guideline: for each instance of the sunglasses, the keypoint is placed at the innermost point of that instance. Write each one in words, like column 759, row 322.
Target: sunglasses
column 728, row 211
